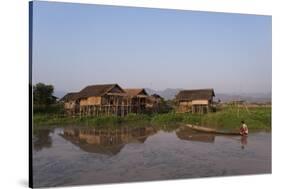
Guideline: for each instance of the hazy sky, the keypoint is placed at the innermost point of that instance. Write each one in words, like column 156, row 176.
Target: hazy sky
column 75, row 45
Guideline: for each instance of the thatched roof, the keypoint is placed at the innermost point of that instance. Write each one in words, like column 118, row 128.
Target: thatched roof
column 197, row 94
column 98, row 90
column 69, row 97
column 156, row 95
column 136, row 92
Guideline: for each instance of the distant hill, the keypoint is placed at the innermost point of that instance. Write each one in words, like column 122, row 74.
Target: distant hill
column 248, row 97
column 167, row 93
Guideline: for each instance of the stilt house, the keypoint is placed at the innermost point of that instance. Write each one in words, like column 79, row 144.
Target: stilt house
column 71, row 103
column 137, row 99
column 153, row 102
column 109, row 99
column 195, row 101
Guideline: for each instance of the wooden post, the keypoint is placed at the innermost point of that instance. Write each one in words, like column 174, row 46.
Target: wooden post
column 237, row 109
column 122, row 108
column 246, row 108
column 108, row 108
column 117, row 106
column 139, row 106
column 130, row 101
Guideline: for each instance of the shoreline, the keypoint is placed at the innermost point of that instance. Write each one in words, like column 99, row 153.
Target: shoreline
column 226, row 119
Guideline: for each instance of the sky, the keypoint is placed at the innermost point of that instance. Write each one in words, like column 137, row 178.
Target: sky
column 75, row 45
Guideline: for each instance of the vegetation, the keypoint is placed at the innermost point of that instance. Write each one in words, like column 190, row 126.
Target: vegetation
column 225, row 119
column 168, row 118
column 50, row 109
column 43, row 94
column 44, row 101
column 230, row 118
column 48, row 112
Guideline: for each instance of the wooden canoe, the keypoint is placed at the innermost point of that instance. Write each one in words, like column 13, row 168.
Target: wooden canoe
column 210, row 130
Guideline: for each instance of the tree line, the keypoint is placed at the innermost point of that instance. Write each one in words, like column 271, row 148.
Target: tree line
column 43, row 95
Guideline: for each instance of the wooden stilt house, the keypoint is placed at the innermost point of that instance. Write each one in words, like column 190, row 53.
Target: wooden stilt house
column 137, row 99
column 195, row 101
column 109, row 99
column 153, row 103
column 71, row 103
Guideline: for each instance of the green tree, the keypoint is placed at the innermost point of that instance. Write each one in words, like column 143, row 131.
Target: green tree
column 43, row 94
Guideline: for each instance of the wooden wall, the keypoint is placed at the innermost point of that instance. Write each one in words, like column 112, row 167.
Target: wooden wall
column 200, row 102
column 69, row 105
column 90, row 101
column 186, row 106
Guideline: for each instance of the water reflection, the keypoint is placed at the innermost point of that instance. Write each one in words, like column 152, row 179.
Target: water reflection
column 42, row 139
column 185, row 133
column 106, row 141
column 244, row 141
column 183, row 153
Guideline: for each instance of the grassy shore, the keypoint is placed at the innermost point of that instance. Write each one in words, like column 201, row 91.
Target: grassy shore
column 226, row 119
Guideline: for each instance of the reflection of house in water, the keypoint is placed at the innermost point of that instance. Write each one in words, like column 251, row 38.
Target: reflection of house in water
column 42, row 139
column 185, row 133
column 106, row 141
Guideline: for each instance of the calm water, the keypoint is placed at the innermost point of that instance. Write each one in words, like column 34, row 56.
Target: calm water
column 75, row 156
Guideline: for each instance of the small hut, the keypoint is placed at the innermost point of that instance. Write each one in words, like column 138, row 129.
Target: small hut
column 195, row 101
column 71, row 103
column 153, row 102
column 137, row 99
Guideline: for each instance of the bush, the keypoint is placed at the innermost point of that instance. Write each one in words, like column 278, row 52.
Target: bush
column 48, row 109
column 136, row 117
column 168, row 118
column 192, row 119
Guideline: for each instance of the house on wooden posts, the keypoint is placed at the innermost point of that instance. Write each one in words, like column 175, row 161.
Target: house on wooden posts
column 137, row 99
column 71, row 103
column 153, row 102
column 109, row 99
column 195, row 101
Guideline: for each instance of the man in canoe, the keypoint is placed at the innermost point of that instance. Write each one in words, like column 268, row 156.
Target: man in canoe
column 244, row 129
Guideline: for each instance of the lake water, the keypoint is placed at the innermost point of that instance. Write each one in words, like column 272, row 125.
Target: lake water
column 72, row 156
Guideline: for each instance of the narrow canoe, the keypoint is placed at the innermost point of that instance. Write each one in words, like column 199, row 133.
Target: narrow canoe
column 210, row 130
